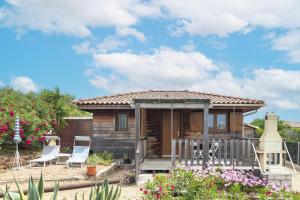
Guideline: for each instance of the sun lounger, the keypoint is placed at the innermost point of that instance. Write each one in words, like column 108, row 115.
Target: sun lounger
column 80, row 153
column 49, row 152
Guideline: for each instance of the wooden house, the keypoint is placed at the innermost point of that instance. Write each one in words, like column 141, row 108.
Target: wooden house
column 155, row 118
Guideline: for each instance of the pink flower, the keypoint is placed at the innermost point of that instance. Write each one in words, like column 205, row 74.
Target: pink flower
column 37, row 129
column 11, row 113
column 160, row 188
column 28, row 142
column 268, row 193
column 172, row 187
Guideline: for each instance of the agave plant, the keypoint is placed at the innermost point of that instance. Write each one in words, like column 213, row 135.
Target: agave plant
column 103, row 192
column 34, row 192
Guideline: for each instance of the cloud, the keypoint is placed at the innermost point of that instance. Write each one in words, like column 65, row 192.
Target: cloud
column 163, row 67
column 166, row 68
column 107, row 45
column 24, row 84
column 126, row 31
column 205, row 17
column 1, row 84
column 289, row 43
column 76, row 18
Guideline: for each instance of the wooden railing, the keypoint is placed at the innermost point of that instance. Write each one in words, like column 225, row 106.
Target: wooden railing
column 221, row 152
column 140, row 154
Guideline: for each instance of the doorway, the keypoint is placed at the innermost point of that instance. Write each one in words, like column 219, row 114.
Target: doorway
column 166, row 131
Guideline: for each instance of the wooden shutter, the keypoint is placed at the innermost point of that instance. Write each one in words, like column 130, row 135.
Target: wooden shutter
column 236, row 122
column 196, row 121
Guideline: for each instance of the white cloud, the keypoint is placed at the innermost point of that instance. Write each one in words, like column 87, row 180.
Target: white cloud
column 24, row 84
column 110, row 44
column 126, row 31
column 289, row 43
column 189, row 46
column 107, row 45
column 166, row 68
column 1, row 84
column 204, row 17
column 74, row 17
column 215, row 43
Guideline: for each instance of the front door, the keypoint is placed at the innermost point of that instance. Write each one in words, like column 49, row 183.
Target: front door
column 166, row 131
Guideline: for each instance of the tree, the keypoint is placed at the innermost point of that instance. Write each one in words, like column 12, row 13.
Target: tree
column 282, row 126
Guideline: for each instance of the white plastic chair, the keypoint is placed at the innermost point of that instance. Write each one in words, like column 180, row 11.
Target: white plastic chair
column 80, row 153
column 210, row 151
column 49, row 153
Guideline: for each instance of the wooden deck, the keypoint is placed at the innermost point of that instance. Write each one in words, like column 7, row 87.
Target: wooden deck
column 163, row 164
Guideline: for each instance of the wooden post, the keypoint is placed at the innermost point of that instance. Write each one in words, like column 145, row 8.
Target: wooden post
column 137, row 137
column 173, row 153
column 205, row 135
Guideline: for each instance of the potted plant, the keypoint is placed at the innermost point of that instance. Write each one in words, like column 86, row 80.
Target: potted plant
column 126, row 158
column 91, row 163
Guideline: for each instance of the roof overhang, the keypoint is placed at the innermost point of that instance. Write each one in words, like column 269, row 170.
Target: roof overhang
column 170, row 103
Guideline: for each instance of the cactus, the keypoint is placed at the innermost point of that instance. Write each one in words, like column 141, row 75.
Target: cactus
column 34, row 192
column 103, row 192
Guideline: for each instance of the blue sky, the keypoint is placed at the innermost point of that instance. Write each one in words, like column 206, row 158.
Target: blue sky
column 244, row 48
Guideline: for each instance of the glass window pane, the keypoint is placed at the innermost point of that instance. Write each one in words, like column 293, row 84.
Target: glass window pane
column 211, row 121
column 221, row 121
column 122, row 122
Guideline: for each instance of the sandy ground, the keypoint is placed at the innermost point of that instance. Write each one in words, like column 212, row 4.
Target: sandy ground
column 127, row 193
column 53, row 172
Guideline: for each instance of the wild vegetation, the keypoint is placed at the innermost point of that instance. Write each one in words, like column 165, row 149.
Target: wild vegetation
column 103, row 158
column 185, row 184
column 38, row 114
column 284, row 129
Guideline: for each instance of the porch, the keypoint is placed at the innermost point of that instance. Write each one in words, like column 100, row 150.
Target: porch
column 171, row 132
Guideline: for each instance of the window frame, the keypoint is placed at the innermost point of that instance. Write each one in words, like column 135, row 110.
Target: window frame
column 116, row 121
column 215, row 123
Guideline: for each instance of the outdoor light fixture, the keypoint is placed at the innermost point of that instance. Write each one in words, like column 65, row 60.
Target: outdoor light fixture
column 17, row 139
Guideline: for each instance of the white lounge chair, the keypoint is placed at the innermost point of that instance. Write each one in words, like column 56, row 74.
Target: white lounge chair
column 80, row 153
column 49, row 153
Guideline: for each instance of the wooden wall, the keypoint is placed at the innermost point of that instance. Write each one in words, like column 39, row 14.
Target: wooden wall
column 105, row 138
column 75, row 126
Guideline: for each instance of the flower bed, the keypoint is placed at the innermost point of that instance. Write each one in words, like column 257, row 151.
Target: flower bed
column 212, row 184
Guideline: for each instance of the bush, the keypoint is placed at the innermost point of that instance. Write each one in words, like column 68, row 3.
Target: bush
column 185, row 184
column 38, row 113
column 103, row 158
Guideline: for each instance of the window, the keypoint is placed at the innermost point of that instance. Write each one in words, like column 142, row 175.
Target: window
column 217, row 121
column 211, row 121
column 221, row 121
column 121, row 124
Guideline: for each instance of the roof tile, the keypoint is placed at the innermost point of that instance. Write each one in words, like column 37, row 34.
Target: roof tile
column 127, row 98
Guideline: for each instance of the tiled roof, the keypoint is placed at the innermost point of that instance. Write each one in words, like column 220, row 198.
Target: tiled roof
column 127, row 98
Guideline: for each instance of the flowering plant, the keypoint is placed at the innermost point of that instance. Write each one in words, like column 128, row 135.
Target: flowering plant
column 186, row 183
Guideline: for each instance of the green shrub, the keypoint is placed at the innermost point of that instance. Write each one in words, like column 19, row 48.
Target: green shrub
column 38, row 113
column 103, row 158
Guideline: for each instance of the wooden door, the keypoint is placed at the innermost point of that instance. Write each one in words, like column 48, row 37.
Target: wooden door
column 166, row 131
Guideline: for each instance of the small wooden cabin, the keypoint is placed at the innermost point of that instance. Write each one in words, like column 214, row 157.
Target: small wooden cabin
column 156, row 117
